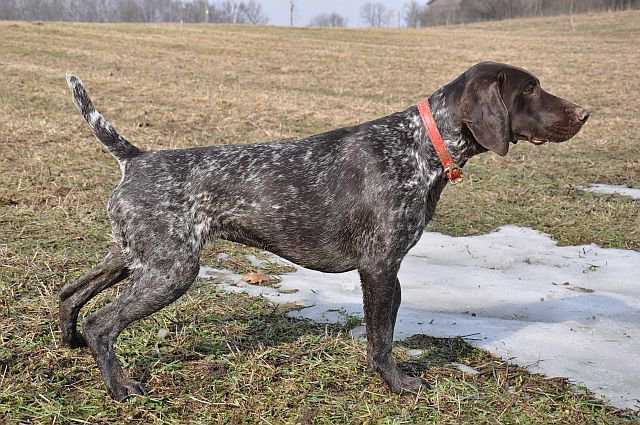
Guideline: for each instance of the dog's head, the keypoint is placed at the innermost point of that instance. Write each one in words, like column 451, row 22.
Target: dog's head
column 501, row 104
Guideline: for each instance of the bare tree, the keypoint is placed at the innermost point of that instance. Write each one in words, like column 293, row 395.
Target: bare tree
column 130, row 11
column 442, row 12
column 375, row 14
column 227, row 11
column 234, row 12
column 415, row 14
column 412, row 13
column 253, row 13
column 328, row 20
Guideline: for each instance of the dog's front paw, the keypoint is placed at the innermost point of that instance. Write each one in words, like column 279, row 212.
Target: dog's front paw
column 404, row 383
column 127, row 389
column 397, row 380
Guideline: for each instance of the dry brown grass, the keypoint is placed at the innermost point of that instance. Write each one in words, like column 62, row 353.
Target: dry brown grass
column 168, row 86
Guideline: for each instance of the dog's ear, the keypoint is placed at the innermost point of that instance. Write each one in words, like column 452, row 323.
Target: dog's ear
column 485, row 114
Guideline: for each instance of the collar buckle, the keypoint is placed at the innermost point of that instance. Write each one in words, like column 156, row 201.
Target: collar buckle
column 454, row 173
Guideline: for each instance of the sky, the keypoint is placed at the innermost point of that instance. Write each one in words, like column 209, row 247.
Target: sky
column 305, row 10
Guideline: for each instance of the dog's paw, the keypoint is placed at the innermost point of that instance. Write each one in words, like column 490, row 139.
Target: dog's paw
column 71, row 337
column 408, row 384
column 126, row 390
column 75, row 341
column 396, row 379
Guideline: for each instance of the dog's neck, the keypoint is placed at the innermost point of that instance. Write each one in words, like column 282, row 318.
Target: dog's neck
column 458, row 140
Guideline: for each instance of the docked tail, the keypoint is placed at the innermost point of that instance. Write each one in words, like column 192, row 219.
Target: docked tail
column 116, row 144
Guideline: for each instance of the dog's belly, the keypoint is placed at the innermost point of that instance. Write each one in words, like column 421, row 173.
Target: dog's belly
column 327, row 257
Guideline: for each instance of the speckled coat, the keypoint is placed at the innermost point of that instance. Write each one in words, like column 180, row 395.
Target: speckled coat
column 352, row 198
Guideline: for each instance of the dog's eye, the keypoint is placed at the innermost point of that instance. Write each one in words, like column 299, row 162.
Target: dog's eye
column 529, row 90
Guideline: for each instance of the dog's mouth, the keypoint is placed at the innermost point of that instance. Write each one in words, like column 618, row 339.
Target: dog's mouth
column 531, row 139
column 557, row 135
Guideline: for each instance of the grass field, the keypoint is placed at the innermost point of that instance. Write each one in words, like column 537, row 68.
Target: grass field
column 230, row 359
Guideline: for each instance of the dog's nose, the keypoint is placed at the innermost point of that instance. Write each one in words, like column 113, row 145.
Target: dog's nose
column 583, row 114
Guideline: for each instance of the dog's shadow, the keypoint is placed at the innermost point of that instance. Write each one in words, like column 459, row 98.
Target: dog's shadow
column 268, row 326
column 273, row 327
column 434, row 352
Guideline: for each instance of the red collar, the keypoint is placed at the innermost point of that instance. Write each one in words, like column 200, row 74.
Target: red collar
column 454, row 173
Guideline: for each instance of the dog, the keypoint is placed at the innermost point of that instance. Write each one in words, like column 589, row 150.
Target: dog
column 352, row 198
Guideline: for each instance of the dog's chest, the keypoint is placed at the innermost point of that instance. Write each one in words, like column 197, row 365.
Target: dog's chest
column 429, row 194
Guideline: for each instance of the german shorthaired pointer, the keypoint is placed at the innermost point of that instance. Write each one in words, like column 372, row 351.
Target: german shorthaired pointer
column 352, row 198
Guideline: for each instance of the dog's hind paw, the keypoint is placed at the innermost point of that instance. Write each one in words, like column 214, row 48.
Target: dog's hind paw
column 70, row 335
column 75, row 341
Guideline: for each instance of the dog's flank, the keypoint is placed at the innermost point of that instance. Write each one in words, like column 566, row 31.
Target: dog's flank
column 353, row 198
column 119, row 147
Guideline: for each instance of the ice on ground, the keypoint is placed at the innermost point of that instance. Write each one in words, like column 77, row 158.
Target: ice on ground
column 613, row 190
column 570, row 311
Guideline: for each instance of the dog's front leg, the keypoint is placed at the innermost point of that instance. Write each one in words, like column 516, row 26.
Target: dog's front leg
column 381, row 292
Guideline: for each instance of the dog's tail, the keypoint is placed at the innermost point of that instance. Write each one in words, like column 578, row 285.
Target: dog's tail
column 103, row 130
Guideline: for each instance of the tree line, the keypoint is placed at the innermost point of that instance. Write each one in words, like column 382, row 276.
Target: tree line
column 227, row 11
column 415, row 13
column 443, row 12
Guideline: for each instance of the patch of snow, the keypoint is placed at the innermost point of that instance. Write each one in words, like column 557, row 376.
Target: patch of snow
column 613, row 190
column 255, row 261
column 464, row 368
column 570, row 311
column 414, row 352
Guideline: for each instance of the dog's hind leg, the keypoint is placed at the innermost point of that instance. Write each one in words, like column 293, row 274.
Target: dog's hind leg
column 76, row 294
column 160, row 281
